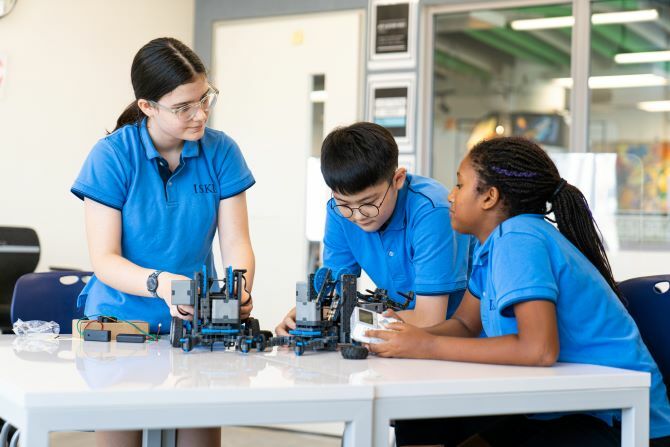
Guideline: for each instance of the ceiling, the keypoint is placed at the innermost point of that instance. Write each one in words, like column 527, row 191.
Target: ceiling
column 476, row 50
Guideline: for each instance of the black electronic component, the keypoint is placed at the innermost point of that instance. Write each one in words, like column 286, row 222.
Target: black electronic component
column 131, row 338
column 104, row 319
column 354, row 352
column 378, row 300
column 97, row 335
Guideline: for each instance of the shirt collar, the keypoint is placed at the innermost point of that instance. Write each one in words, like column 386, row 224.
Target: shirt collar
column 397, row 220
column 190, row 149
column 481, row 251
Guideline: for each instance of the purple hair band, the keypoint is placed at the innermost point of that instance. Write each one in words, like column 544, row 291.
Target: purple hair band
column 508, row 173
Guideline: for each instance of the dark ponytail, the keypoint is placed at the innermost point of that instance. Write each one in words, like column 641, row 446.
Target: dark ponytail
column 131, row 115
column 159, row 67
column 527, row 179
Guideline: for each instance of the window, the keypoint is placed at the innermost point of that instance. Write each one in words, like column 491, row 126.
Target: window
column 495, row 73
column 629, row 114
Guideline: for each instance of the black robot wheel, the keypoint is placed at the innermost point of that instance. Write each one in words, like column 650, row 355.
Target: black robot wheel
column 354, row 352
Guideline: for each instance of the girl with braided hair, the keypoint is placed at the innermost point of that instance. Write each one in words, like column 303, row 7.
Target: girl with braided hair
column 540, row 293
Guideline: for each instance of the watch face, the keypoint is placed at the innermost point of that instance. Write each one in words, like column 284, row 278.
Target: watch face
column 152, row 283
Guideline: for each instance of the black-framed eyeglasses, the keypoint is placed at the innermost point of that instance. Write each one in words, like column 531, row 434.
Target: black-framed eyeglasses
column 366, row 209
column 187, row 112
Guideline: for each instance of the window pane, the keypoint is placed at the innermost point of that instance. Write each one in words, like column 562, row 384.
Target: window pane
column 494, row 74
column 630, row 59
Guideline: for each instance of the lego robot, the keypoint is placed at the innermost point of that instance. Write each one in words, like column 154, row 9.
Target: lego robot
column 314, row 330
column 216, row 314
column 324, row 305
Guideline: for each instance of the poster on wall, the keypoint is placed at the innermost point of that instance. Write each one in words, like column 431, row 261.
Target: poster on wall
column 392, row 29
column 392, row 36
column 390, row 109
column 3, row 74
column 391, row 104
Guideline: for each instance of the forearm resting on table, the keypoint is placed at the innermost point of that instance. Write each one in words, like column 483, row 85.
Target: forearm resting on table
column 465, row 322
column 504, row 350
column 454, row 327
column 535, row 344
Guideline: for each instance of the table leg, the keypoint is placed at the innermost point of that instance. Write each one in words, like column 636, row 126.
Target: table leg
column 168, row 437
column 635, row 422
column 381, row 432
column 358, row 430
column 151, row 438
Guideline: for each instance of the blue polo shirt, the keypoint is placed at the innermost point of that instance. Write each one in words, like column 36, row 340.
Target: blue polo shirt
column 526, row 258
column 167, row 224
column 417, row 250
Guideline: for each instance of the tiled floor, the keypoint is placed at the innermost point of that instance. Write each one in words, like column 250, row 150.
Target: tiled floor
column 230, row 437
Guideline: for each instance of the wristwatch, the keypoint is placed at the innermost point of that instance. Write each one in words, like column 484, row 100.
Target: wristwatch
column 152, row 283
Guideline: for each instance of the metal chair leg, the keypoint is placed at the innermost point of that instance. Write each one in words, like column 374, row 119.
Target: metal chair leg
column 15, row 439
column 4, row 433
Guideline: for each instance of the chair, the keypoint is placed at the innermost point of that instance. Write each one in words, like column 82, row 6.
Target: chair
column 49, row 296
column 19, row 254
column 648, row 302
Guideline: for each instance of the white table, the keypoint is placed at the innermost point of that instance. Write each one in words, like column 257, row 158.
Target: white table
column 75, row 385
column 415, row 389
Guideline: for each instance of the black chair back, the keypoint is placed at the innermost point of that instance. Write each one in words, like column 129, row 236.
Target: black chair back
column 648, row 302
column 19, row 254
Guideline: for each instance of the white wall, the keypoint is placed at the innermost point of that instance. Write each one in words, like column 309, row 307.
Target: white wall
column 264, row 69
column 68, row 79
column 628, row 264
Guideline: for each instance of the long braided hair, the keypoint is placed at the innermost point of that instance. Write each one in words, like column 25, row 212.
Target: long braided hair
column 527, row 179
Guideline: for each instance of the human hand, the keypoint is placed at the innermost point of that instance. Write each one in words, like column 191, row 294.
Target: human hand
column 287, row 323
column 246, row 306
column 401, row 340
column 164, row 292
column 390, row 313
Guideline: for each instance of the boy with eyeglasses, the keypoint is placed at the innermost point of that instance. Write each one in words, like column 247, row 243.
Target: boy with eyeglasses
column 393, row 225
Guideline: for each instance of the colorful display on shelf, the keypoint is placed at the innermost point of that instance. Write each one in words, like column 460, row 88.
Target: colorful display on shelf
column 643, row 176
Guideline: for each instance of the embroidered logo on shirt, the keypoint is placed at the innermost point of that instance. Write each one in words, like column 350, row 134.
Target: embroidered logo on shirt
column 492, row 305
column 204, row 188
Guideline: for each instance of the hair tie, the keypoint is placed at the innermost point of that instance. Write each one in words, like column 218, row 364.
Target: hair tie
column 510, row 173
column 558, row 189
